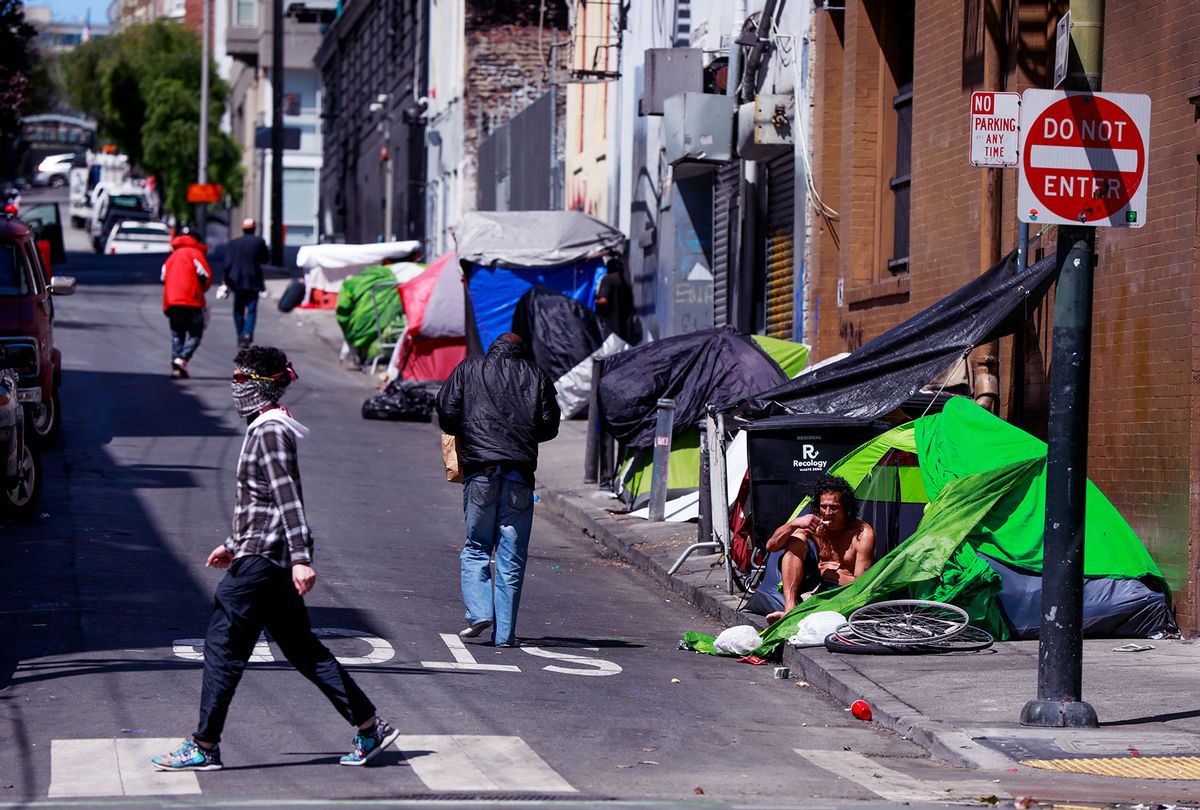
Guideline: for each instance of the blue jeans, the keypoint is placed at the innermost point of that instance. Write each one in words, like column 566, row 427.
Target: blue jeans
column 499, row 511
column 187, row 327
column 245, row 312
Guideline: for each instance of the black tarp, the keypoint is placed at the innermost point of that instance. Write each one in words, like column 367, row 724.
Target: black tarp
column 717, row 366
column 559, row 331
column 1112, row 608
column 879, row 376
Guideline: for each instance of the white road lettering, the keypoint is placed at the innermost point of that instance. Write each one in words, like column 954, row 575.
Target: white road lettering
column 463, row 658
column 192, row 649
column 380, row 650
column 601, row 667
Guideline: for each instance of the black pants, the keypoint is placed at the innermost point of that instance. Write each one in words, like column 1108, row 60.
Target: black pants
column 254, row 594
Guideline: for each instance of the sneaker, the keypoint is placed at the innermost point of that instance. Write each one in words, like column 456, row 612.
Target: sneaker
column 474, row 629
column 245, row 341
column 179, row 368
column 189, row 757
column 368, row 744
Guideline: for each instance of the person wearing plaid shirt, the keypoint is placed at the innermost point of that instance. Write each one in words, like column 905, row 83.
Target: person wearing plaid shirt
column 269, row 560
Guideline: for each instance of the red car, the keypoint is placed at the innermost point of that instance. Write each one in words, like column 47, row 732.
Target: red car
column 26, row 325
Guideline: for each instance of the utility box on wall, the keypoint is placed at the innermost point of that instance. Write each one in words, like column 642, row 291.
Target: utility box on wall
column 764, row 127
column 699, row 128
column 670, row 71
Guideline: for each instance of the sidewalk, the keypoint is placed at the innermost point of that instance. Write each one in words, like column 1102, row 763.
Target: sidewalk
column 962, row 707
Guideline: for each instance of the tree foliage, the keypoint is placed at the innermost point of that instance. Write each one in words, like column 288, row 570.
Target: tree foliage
column 142, row 86
column 22, row 74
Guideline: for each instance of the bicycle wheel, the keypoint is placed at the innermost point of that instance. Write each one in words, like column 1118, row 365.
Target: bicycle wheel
column 844, row 640
column 971, row 639
column 908, row 621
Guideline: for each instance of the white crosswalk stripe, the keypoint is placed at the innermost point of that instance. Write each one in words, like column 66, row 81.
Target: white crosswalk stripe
column 458, row 762
column 109, row 767
column 895, row 786
column 466, row 762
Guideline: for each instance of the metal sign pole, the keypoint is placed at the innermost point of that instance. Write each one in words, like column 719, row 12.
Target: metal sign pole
column 1060, row 647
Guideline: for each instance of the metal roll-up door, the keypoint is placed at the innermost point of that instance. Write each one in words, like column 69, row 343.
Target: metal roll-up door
column 780, row 247
column 725, row 241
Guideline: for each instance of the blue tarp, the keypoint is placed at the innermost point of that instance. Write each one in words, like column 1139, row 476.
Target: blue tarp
column 495, row 291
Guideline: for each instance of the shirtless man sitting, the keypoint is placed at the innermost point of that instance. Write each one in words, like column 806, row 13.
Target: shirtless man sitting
column 830, row 544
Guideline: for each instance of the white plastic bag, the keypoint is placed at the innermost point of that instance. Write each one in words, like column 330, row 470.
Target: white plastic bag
column 813, row 628
column 740, row 640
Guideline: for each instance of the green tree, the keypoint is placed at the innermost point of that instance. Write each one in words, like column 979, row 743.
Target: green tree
column 170, row 137
column 142, row 86
column 21, row 69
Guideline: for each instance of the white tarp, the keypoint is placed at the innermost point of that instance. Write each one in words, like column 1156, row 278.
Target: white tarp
column 571, row 389
column 338, row 262
column 534, row 238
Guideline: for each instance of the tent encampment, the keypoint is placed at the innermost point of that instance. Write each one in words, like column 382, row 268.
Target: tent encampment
column 977, row 493
column 707, row 366
column 504, row 254
column 326, row 266
column 434, row 341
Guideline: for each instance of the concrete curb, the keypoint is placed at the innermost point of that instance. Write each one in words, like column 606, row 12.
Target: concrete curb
column 844, row 684
column 836, row 678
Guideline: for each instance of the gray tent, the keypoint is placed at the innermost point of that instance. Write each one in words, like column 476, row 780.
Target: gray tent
column 533, row 239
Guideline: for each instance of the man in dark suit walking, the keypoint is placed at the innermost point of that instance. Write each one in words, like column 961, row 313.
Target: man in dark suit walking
column 244, row 258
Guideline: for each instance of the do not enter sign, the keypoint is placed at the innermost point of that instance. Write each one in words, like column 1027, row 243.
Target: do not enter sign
column 1084, row 158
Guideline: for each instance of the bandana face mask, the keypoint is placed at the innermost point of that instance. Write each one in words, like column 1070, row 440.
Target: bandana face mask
column 252, row 396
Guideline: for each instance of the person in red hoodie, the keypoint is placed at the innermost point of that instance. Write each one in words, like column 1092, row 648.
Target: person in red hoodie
column 186, row 277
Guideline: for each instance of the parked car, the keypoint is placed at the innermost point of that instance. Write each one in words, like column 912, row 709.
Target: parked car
column 138, row 236
column 54, row 170
column 27, row 326
column 20, row 461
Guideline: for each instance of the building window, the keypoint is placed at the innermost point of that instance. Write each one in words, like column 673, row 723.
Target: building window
column 897, row 33
column 299, row 204
column 245, row 13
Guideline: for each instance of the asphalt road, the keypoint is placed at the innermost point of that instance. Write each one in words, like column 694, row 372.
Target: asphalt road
column 104, row 598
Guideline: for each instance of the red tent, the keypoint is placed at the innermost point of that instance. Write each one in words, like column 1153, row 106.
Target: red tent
column 434, row 341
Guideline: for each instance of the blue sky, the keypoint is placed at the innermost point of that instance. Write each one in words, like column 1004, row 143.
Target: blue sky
column 76, row 9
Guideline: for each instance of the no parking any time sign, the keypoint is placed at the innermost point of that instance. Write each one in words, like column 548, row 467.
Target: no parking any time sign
column 1084, row 158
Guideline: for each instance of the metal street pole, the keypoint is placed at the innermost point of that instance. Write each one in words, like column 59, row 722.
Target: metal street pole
column 277, row 133
column 202, row 163
column 1060, row 647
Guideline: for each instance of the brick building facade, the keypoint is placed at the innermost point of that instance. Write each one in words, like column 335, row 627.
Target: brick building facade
column 883, row 173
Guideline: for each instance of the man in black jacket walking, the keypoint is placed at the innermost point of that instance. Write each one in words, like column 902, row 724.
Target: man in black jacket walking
column 500, row 406
column 244, row 258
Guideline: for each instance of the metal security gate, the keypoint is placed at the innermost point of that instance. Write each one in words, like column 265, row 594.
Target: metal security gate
column 725, row 241
column 780, row 247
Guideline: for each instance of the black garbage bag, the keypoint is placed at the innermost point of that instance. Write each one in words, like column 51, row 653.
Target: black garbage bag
column 403, row 401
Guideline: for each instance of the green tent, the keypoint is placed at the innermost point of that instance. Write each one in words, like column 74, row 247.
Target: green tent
column 981, row 489
column 362, row 310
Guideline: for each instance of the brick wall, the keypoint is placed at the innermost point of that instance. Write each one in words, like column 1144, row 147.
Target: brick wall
column 1144, row 450
column 508, row 64
column 1144, row 353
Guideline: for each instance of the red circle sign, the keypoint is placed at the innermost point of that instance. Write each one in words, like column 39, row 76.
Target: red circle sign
column 1084, row 158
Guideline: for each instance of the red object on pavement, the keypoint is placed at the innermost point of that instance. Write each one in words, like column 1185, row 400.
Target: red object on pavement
column 752, row 659
column 861, row 709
